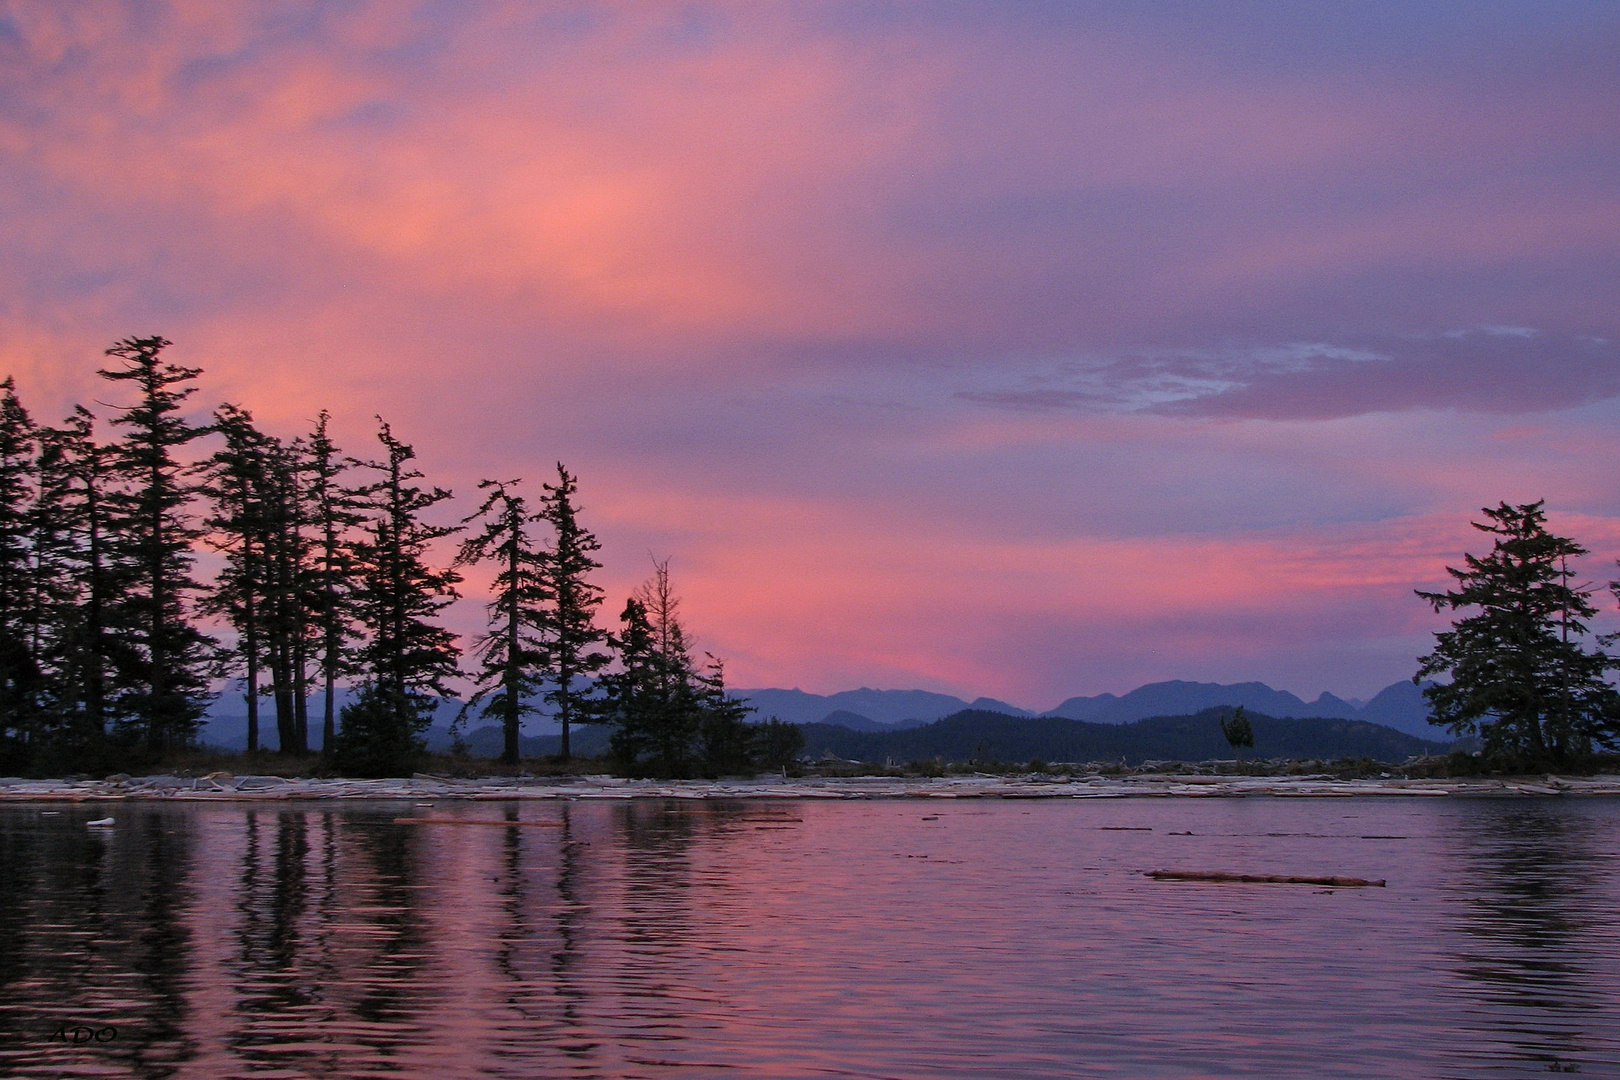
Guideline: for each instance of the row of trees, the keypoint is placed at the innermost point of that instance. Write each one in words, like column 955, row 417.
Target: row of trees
column 326, row 579
column 1523, row 672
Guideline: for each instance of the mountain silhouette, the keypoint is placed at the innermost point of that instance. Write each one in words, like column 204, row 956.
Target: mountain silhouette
column 1399, row 706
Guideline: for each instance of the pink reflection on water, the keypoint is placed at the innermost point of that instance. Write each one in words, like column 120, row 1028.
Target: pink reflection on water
column 911, row 938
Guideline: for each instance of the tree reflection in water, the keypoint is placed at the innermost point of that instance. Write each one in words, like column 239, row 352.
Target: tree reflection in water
column 96, row 936
column 1531, row 905
column 544, row 998
column 680, row 939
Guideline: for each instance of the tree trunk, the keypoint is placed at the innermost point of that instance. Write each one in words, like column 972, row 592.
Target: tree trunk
column 514, row 674
column 250, row 646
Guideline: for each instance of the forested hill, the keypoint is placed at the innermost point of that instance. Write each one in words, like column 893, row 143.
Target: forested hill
column 976, row 735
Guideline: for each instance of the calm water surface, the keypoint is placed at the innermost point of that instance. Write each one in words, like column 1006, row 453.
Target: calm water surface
column 919, row 938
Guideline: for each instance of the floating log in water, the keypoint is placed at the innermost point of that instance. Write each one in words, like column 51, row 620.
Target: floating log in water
column 1264, row 879
column 474, row 821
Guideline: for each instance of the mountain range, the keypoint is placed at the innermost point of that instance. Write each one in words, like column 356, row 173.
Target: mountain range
column 1399, row 706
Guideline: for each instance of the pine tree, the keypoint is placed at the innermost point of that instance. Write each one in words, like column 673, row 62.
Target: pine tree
column 288, row 588
column 510, row 655
column 677, row 694
column 669, row 717
column 20, row 680
column 406, row 657
column 779, row 744
column 730, row 744
column 333, row 514
column 655, row 699
column 18, row 462
column 82, row 574
column 166, row 701
column 568, row 623
column 1238, row 731
column 240, row 524
column 54, row 592
column 1520, row 677
column 633, row 696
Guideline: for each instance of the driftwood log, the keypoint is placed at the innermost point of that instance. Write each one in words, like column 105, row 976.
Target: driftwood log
column 1265, row 879
column 475, row 821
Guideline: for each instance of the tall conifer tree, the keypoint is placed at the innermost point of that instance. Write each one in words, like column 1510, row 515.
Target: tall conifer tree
column 1520, row 676
column 240, row 523
column 287, row 593
column 568, row 623
column 84, row 574
column 19, row 664
column 166, row 701
column 406, row 656
column 510, row 655
column 333, row 515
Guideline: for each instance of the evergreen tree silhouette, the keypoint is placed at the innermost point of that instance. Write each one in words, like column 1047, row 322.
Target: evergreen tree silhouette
column 405, row 656
column 669, row 717
column 239, row 525
column 730, row 744
column 1238, row 731
column 288, row 586
column 166, row 697
column 82, row 573
column 334, row 513
column 20, row 679
column 635, row 696
column 510, row 655
column 1519, row 675
column 570, row 636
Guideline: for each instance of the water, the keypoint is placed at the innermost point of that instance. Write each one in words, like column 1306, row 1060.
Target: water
column 917, row 938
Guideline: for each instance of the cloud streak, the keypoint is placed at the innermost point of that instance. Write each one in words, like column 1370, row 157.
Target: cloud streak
column 1493, row 370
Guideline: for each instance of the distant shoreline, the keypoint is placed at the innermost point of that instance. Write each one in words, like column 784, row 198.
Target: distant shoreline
column 272, row 789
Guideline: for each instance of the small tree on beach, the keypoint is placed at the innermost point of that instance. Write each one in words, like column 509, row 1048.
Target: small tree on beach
column 1239, row 732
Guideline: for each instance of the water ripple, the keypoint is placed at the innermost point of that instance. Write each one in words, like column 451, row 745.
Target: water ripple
column 819, row 939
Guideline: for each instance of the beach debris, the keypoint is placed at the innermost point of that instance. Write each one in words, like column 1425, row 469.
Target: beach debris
column 475, row 821
column 100, row 823
column 1264, row 879
column 221, row 785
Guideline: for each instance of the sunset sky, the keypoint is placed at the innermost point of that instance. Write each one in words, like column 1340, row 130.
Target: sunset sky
column 1023, row 349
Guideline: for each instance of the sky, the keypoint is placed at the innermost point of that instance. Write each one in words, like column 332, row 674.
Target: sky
column 1026, row 350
